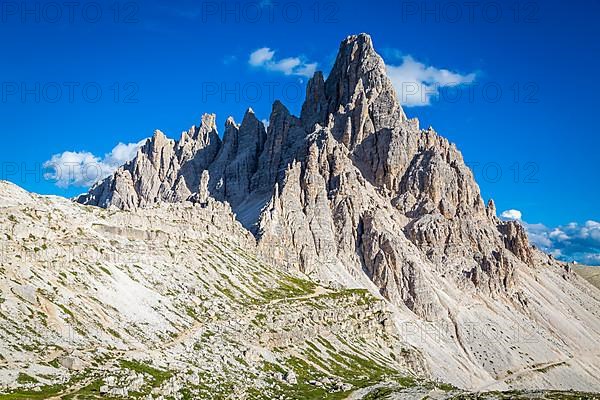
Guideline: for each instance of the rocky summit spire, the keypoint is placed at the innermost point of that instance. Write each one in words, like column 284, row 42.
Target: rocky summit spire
column 237, row 162
column 316, row 105
column 358, row 76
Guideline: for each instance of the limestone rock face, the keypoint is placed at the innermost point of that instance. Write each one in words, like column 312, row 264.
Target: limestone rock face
column 163, row 170
column 176, row 289
column 359, row 79
column 354, row 193
column 284, row 138
column 351, row 192
column 400, row 273
column 203, row 195
column 237, row 162
column 516, row 241
column 197, row 149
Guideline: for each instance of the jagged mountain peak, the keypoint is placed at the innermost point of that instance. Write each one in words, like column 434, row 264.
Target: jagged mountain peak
column 310, row 183
column 230, row 122
column 353, row 193
column 158, row 134
column 250, row 117
column 358, row 71
column 209, row 121
column 279, row 108
column 356, row 104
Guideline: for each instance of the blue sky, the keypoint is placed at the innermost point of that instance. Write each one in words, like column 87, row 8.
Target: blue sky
column 525, row 120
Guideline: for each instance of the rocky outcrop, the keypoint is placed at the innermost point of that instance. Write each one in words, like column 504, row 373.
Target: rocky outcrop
column 515, row 240
column 163, row 170
column 237, row 162
column 173, row 301
column 196, row 150
column 355, row 194
column 352, row 192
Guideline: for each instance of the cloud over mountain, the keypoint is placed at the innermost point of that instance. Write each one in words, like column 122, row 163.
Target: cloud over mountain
column 417, row 84
column 83, row 169
column 265, row 58
column 570, row 242
column 512, row 214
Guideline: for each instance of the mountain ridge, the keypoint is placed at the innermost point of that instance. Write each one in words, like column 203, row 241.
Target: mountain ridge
column 354, row 193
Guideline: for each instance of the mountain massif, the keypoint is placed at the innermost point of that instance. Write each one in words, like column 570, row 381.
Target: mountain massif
column 335, row 252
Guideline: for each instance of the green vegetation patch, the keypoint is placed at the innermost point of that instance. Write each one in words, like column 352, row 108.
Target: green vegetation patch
column 290, row 287
column 24, row 379
column 158, row 375
column 44, row 393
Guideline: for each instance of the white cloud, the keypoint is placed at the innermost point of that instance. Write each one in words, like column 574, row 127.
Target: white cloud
column 538, row 235
column 261, row 56
column 122, row 153
column 265, row 58
column 558, row 235
column 512, row 214
column 570, row 242
column 417, row 84
column 83, row 169
column 307, row 69
column 591, row 259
